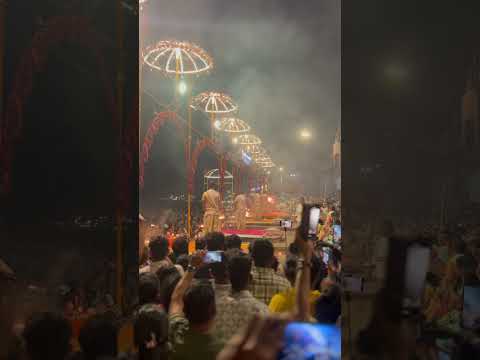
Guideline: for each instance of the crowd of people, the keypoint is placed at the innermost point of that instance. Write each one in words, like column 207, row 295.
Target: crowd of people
column 189, row 308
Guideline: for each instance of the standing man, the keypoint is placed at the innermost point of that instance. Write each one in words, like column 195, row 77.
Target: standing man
column 240, row 205
column 211, row 207
column 256, row 202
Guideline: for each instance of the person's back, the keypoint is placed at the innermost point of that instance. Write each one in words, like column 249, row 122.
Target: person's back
column 151, row 334
column 265, row 282
column 98, row 339
column 191, row 335
column 211, row 200
column 158, row 255
column 47, row 337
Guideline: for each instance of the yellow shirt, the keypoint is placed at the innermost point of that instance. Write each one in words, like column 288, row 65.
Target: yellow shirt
column 285, row 301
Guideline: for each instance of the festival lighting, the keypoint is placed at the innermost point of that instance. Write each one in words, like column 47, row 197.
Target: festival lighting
column 249, row 139
column 305, row 134
column 173, row 57
column 234, row 125
column 217, row 124
column 214, row 102
column 252, row 149
column 280, row 168
column 182, row 88
column 235, row 140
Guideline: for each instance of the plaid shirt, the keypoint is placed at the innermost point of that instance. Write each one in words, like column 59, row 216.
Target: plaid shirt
column 235, row 312
column 266, row 283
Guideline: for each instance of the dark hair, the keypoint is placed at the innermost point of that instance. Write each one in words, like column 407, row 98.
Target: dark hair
column 169, row 278
column 158, row 247
column 183, row 261
column 219, row 270
column 147, row 288
column 199, row 303
column 215, row 241
column 180, row 246
column 234, row 242
column 98, row 338
column 328, row 307
column 262, row 253
column 239, row 270
column 200, row 244
column 291, row 269
column 47, row 337
column 293, row 249
column 146, row 324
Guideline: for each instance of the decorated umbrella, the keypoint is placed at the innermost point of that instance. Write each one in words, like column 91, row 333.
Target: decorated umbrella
column 233, row 125
column 178, row 58
column 214, row 103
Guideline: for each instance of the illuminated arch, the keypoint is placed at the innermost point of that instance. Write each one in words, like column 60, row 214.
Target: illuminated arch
column 158, row 121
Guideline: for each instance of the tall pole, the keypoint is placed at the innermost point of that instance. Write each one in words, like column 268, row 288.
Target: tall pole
column 119, row 215
column 189, row 162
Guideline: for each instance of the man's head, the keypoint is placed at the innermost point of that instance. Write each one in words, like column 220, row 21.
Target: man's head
column 239, row 269
column 180, row 246
column 56, row 345
column 234, row 242
column 262, row 253
column 148, row 288
column 158, row 248
column 200, row 243
column 98, row 338
column 151, row 332
column 168, row 278
column 215, row 241
column 213, row 186
column 199, row 305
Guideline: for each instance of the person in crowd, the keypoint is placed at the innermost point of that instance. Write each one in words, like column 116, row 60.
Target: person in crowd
column 214, row 241
column 192, row 317
column 256, row 205
column 223, row 301
column 285, row 301
column 240, row 206
column 98, row 339
column 233, row 242
column 200, row 243
column 265, row 282
column 212, row 209
column 47, row 337
column 298, row 211
column 183, row 261
column 179, row 248
column 158, row 255
column 244, row 304
column 151, row 334
column 168, row 279
column 148, row 285
column 328, row 306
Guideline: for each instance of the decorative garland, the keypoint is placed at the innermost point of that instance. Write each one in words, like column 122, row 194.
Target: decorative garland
column 158, row 121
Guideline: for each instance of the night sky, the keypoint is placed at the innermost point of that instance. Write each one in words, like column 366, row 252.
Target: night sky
column 404, row 69
column 280, row 60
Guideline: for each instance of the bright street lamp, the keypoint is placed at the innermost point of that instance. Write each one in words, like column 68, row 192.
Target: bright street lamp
column 305, row 134
column 182, row 87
